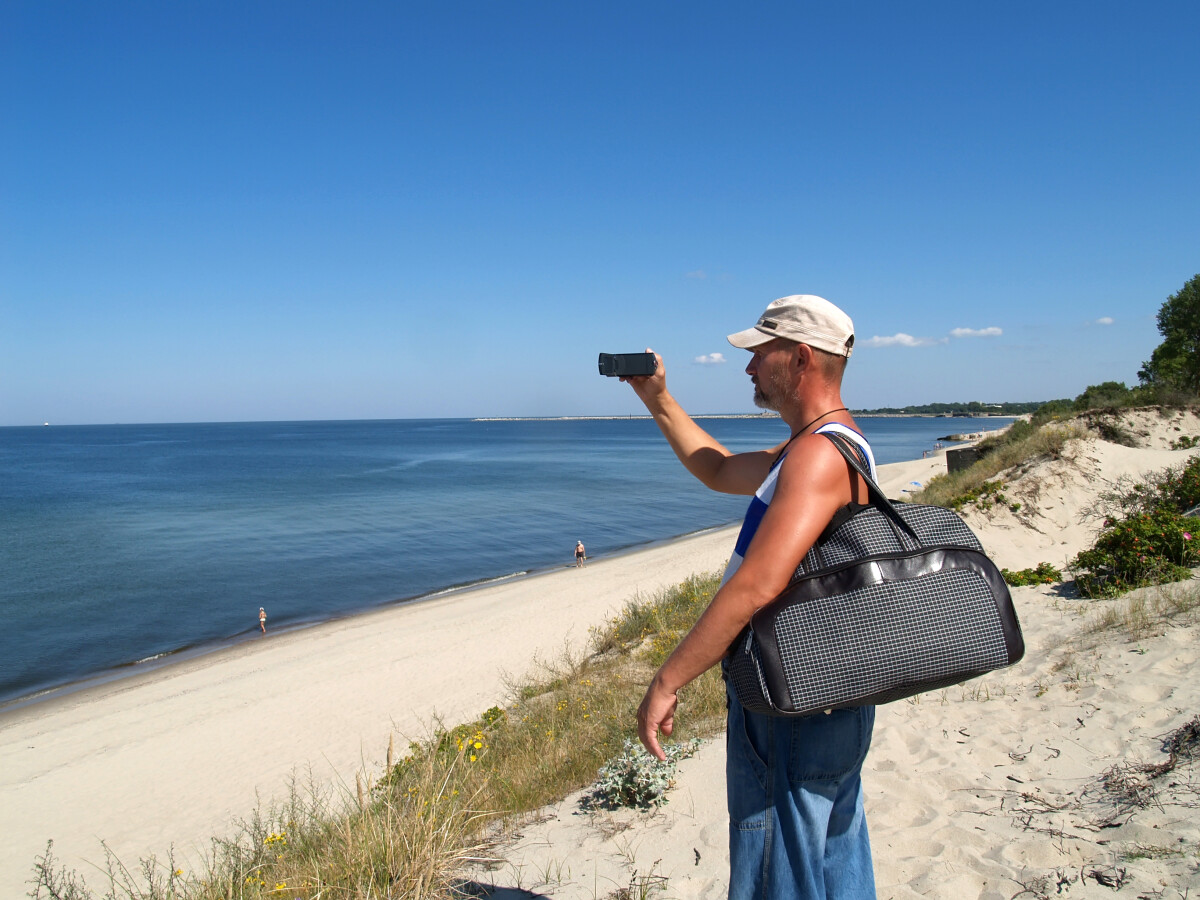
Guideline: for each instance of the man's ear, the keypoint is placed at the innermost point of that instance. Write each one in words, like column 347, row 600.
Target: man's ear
column 803, row 356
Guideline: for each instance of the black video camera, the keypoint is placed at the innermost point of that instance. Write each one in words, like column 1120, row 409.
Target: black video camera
column 627, row 364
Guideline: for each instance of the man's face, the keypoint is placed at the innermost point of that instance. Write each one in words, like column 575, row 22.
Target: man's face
column 768, row 369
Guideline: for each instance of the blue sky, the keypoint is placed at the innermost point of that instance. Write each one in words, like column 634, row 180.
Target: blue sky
column 306, row 210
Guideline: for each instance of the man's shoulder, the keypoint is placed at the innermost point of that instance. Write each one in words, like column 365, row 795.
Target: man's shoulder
column 812, row 459
column 815, row 445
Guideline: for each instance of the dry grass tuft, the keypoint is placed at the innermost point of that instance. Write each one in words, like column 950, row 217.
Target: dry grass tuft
column 1020, row 444
column 1146, row 612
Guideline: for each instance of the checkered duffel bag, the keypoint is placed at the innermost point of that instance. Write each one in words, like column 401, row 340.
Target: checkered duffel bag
column 892, row 600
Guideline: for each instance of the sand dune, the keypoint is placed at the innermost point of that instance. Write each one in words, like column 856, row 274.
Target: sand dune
column 992, row 789
column 980, row 790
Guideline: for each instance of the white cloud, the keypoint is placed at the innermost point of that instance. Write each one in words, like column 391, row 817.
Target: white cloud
column 699, row 273
column 1104, row 320
column 903, row 340
column 711, row 359
column 900, row 339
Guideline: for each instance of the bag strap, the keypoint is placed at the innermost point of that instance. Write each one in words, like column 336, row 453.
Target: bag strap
column 875, row 493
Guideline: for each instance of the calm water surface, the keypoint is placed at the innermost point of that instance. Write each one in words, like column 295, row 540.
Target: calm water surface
column 119, row 544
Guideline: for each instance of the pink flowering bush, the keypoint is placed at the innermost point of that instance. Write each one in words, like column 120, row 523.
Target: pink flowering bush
column 1148, row 548
column 1181, row 489
column 1146, row 539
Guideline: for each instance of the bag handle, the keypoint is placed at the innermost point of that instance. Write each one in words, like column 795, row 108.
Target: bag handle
column 874, row 492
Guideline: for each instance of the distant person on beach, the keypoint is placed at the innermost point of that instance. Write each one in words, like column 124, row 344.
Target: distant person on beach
column 796, row 823
column 262, row 619
column 580, row 553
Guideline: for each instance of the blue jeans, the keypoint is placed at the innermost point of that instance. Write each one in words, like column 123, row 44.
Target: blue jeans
column 796, row 825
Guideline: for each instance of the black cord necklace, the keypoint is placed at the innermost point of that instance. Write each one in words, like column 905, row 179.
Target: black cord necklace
column 800, row 431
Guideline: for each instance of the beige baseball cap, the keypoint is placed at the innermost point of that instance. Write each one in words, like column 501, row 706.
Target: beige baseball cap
column 805, row 318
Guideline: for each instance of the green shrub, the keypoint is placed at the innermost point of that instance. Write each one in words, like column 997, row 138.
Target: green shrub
column 1043, row 574
column 1053, row 411
column 1108, row 395
column 1149, row 548
column 1113, row 431
column 1176, row 490
column 1180, row 488
column 1019, row 430
column 1146, row 539
column 984, row 496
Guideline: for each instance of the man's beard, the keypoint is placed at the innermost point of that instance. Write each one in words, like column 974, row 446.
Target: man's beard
column 777, row 382
column 762, row 401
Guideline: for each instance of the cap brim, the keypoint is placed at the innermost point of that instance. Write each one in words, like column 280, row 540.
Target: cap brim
column 749, row 338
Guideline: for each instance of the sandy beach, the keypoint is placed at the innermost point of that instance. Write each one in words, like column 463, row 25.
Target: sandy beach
column 172, row 757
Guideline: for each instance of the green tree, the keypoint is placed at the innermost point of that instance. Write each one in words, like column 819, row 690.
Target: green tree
column 1097, row 396
column 1176, row 361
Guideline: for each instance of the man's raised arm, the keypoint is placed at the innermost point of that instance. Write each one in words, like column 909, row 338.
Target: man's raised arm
column 701, row 453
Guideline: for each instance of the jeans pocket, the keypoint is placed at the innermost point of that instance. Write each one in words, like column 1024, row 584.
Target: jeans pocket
column 830, row 747
column 747, row 781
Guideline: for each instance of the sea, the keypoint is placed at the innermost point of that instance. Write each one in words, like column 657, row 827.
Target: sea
column 124, row 547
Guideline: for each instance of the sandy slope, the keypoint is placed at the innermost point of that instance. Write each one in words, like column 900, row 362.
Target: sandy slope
column 993, row 789
column 1052, row 524
column 975, row 791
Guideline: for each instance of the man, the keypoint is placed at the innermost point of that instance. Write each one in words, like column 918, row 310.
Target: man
column 797, row 828
column 580, row 553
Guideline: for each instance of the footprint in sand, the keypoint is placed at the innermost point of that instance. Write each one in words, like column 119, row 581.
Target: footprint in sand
column 922, row 816
column 715, row 836
column 919, row 849
column 1149, row 693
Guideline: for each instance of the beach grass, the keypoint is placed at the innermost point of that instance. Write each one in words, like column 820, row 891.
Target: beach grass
column 408, row 830
column 1148, row 611
column 1019, row 444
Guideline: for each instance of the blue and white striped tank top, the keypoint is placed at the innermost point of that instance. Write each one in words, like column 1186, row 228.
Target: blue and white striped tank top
column 762, row 497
